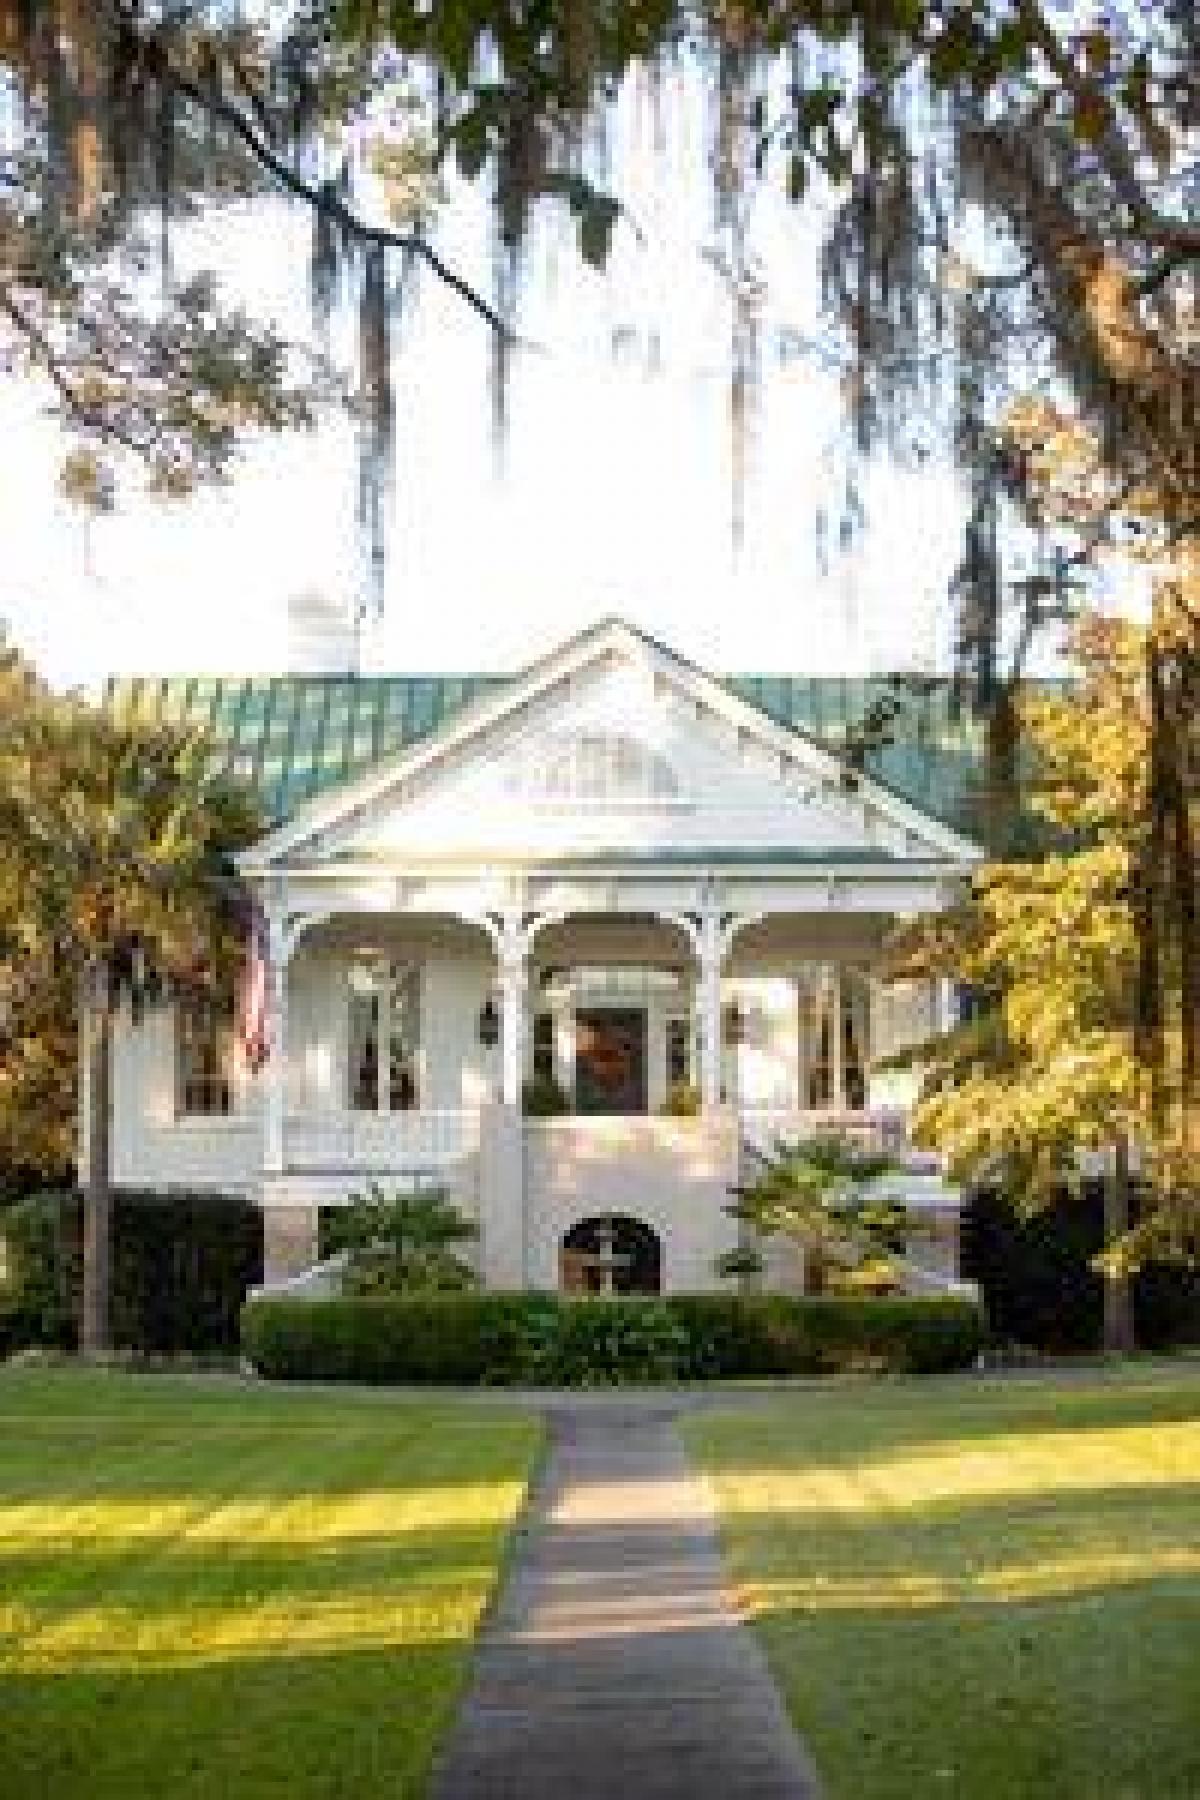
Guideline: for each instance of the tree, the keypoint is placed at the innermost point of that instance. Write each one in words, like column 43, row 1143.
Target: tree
column 824, row 1196
column 1046, row 1075
column 402, row 1243
column 1010, row 200
column 117, row 885
column 896, row 117
column 132, row 117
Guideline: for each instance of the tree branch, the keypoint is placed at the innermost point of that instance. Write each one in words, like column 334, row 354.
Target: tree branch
column 1177, row 235
column 95, row 419
column 374, row 236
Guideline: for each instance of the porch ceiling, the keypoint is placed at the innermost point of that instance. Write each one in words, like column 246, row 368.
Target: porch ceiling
column 635, row 941
column 775, row 945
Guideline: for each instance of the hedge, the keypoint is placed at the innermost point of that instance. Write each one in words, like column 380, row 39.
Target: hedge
column 182, row 1264
column 499, row 1339
column 1039, row 1288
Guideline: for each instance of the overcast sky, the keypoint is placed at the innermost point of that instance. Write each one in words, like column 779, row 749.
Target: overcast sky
column 612, row 493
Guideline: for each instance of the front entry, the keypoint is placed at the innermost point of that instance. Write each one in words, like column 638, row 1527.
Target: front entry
column 610, row 1059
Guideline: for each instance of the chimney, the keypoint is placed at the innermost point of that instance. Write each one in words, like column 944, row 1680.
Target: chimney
column 323, row 637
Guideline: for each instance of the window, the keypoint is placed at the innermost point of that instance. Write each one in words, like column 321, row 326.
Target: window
column 598, row 766
column 204, row 1063
column 384, row 1038
column 543, row 1047
column 679, row 1052
column 817, row 1027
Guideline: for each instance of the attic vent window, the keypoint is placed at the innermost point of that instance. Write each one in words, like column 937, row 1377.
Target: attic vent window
column 598, row 766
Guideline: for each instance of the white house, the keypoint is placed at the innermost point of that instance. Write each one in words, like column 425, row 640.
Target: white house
column 613, row 871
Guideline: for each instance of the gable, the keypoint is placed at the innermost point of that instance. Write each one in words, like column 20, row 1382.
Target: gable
column 296, row 737
column 610, row 747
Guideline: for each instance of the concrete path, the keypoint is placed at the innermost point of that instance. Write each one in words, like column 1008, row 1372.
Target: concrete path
column 614, row 1665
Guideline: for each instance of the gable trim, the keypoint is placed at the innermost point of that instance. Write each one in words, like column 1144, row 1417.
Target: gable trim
column 607, row 640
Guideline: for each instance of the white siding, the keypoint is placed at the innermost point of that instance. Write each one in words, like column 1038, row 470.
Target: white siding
column 151, row 1147
column 672, row 1174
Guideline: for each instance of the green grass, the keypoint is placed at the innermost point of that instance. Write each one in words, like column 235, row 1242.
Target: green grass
column 213, row 1591
column 986, row 1591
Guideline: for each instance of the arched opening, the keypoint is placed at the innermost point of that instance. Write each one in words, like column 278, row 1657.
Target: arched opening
column 610, row 1254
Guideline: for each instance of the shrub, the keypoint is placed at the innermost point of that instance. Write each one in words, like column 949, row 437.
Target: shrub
column 182, row 1264
column 544, row 1098
column 606, row 1342
column 682, row 1101
column 401, row 1243
column 42, row 1271
column 505, row 1338
column 1039, row 1288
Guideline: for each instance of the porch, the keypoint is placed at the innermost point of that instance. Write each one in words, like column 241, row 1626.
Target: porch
column 395, row 1033
column 418, row 1047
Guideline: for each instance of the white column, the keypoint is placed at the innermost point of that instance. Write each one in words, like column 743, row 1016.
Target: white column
column 514, row 958
column 838, row 1041
column 276, row 1070
column 710, row 1010
column 947, row 1006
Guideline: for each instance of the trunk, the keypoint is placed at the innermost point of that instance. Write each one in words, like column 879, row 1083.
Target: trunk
column 97, row 1196
column 1118, row 1289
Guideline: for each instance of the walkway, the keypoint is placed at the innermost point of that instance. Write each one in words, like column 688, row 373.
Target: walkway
column 614, row 1667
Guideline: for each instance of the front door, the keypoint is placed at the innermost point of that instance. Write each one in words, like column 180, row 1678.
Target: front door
column 610, row 1059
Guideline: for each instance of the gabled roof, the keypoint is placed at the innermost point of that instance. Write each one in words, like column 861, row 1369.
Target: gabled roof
column 590, row 650
column 293, row 737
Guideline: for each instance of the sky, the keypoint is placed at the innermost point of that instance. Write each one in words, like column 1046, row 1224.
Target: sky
column 609, row 494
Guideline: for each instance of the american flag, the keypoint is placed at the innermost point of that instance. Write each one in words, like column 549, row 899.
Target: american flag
column 252, row 1007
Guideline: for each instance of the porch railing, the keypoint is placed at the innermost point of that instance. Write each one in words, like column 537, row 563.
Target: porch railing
column 386, row 1143
column 879, row 1128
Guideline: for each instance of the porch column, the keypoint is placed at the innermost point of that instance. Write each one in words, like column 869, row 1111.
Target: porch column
column 710, row 1010
column 947, row 1006
column 276, row 1070
column 514, row 959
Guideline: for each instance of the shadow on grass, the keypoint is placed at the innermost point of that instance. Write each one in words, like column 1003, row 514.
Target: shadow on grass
column 896, row 1415
column 991, row 1595
column 311, row 1727
column 219, row 1594
column 1086, row 1694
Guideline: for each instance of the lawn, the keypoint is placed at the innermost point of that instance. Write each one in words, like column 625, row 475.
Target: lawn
column 214, row 1591
column 989, row 1591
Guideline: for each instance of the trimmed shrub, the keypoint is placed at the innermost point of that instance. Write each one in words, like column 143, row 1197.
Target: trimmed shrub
column 43, row 1271
column 779, row 1334
column 606, row 1342
column 505, row 1338
column 182, row 1265
column 1039, row 1289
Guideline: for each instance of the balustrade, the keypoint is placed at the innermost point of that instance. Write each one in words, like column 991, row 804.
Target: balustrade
column 380, row 1142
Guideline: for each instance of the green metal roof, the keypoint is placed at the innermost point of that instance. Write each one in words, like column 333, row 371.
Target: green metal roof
column 293, row 736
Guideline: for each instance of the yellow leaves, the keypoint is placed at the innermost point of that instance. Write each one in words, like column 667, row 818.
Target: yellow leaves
column 1129, row 350
column 1055, row 939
